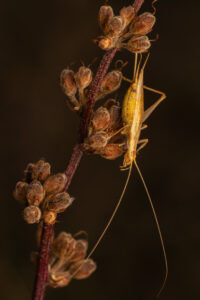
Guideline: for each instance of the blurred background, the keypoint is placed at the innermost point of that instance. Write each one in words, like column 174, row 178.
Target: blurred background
column 38, row 40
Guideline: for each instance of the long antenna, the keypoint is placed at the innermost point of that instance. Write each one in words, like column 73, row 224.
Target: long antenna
column 113, row 214
column 158, row 227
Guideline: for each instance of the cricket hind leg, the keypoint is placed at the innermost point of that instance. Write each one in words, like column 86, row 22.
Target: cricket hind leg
column 143, row 142
column 149, row 110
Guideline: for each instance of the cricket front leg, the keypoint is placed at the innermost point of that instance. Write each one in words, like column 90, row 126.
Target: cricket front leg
column 149, row 110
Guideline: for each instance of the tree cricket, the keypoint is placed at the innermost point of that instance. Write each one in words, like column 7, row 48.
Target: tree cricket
column 134, row 116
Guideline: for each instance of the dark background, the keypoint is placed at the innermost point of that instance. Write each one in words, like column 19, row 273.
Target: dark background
column 38, row 40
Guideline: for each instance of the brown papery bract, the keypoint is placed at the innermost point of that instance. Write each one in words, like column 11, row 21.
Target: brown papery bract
column 105, row 14
column 143, row 24
column 32, row 214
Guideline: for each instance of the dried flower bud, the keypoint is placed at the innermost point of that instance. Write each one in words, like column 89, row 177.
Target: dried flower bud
column 138, row 44
column 49, row 217
column 115, row 116
column 82, row 269
column 111, row 82
column 41, row 170
column 55, row 183
column 80, row 250
column 105, row 14
column 111, row 151
column 35, row 193
column 59, row 279
column 143, row 24
column 115, row 26
column 127, row 13
column 101, row 118
column 106, row 43
column 63, row 245
column 28, row 172
column 83, row 77
column 60, row 202
column 98, row 140
column 20, row 191
column 32, row 214
column 68, row 83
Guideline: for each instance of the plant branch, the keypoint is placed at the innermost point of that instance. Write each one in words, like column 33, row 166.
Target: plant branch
column 77, row 153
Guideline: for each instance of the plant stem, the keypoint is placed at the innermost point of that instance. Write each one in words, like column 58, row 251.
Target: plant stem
column 77, row 153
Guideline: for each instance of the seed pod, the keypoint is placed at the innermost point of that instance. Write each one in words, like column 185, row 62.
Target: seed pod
column 106, row 43
column 98, row 140
column 20, row 191
column 63, row 245
column 28, row 172
column 138, row 44
column 127, row 13
column 59, row 279
column 41, row 170
column 101, row 118
column 49, row 217
column 32, row 214
column 105, row 14
column 35, row 193
column 60, row 202
column 111, row 151
column 110, row 83
column 83, row 77
column 115, row 26
column 68, row 83
column 115, row 116
column 82, row 268
column 55, row 183
column 143, row 24
column 80, row 250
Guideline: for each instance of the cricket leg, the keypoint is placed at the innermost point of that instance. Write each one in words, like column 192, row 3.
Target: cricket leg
column 149, row 110
column 144, row 126
column 143, row 142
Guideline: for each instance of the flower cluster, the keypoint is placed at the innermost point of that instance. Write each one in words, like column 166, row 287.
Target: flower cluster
column 67, row 260
column 42, row 193
column 104, row 136
column 74, row 84
column 126, row 30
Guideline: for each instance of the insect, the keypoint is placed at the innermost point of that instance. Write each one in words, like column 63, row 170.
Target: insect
column 134, row 116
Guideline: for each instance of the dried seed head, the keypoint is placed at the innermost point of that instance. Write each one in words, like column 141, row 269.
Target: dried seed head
column 35, row 193
column 82, row 269
column 115, row 116
column 32, row 214
column 68, row 83
column 111, row 82
column 138, row 44
column 127, row 13
column 115, row 26
column 41, row 170
column 20, row 191
column 63, row 245
column 106, row 43
column 28, row 172
column 80, row 250
column 60, row 202
column 55, row 183
column 143, row 24
column 105, row 14
column 59, row 279
column 111, row 151
column 83, row 77
column 49, row 217
column 101, row 118
column 98, row 140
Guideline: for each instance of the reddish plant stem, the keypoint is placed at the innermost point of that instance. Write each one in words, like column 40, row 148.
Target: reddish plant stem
column 42, row 271
column 48, row 230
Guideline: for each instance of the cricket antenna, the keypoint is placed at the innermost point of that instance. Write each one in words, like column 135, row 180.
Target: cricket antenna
column 158, row 227
column 113, row 214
